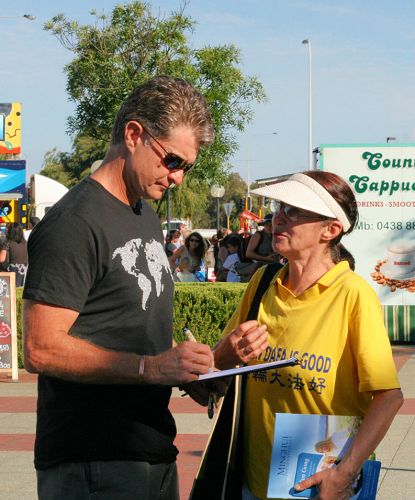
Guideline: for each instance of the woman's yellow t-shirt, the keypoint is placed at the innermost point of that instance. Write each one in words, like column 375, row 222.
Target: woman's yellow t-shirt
column 336, row 328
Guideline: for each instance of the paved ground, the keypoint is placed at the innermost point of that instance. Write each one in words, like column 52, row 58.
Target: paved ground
column 17, row 424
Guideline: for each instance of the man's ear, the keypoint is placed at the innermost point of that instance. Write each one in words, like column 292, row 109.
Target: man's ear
column 132, row 132
column 332, row 230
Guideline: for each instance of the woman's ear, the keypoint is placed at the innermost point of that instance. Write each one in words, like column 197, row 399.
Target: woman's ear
column 332, row 230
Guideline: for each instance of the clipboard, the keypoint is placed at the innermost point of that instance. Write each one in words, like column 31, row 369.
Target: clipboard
column 249, row 369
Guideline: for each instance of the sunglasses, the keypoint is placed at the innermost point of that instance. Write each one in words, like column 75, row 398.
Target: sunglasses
column 295, row 214
column 192, row 240
column 171, row 160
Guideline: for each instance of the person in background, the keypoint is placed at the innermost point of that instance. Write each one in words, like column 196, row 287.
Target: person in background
column 184, row 233
column 172, row 242
column 183, row 271
column 259, row 248
column 218, row 243
column 14, row 252
column 194, row 249
column 98, row 310
column 318, row 308
column 33, row 221
column 222, row 254
column 233, row 245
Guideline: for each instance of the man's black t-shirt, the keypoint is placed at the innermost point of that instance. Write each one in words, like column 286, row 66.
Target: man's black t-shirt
column 96, row 255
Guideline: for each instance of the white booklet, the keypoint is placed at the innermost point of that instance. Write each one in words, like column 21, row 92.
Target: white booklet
column 306, row 444
column 250, row 368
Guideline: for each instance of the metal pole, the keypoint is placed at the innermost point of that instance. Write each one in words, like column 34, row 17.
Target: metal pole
column 310, row 109
column 217, row 214
column 168, row 209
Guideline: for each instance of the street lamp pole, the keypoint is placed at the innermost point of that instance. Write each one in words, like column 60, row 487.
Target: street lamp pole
column 217, row 192
column 310, row 110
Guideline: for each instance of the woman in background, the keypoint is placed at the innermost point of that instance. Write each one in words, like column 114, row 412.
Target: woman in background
column 194, row 249
column 14, row 250
column 172, row 242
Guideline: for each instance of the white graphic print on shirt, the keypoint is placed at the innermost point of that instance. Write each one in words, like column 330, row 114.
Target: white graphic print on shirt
column 156, row 261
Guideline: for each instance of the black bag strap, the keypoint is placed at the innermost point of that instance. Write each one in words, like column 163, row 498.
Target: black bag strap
column 263, row 285
column 234, row 477
column 220, row 474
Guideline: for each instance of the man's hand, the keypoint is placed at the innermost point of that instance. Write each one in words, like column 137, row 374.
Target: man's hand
column 199, row 391
column 332, row 484
column 180, row 365
column 242, row 345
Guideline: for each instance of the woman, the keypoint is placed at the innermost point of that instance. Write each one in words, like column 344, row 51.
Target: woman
column 15, row 250
column 259, row 250
column 194, row 248
column 317, row 308
column 259, row 247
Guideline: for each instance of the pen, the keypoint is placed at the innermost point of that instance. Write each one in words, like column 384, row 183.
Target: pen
column 212, row 398
column 189, row 335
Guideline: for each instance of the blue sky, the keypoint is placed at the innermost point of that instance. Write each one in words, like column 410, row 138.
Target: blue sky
column 363, row 60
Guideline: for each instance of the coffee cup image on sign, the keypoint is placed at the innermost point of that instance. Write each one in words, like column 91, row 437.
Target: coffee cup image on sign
column 400, row 261
column 397, row 270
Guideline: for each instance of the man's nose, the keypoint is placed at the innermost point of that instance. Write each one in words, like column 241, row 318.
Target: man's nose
column 176, row 177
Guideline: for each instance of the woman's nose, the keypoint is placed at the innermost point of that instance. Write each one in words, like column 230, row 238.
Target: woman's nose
column 278, row 217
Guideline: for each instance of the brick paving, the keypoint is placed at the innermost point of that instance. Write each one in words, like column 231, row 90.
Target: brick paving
column 17, row 420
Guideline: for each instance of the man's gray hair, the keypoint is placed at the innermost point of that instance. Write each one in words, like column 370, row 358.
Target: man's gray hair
column 160, row 105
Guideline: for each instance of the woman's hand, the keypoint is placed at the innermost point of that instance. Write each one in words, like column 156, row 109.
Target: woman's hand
column 242, row 345
column 335, row 483
column 332, row 484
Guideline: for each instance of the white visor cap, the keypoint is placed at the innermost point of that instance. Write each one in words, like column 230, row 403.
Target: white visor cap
column 302, row 191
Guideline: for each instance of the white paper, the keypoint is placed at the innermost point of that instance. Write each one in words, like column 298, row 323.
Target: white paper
column 249, row 368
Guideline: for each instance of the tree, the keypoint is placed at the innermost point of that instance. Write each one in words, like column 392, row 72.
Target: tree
column 53, row 168
column 70, row 168
column 131, row 45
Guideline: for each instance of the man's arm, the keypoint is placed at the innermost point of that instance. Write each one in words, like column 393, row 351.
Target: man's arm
column 50, row 349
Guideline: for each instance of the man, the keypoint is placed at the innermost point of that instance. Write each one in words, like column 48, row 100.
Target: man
column 98, row 310
column 32, row 223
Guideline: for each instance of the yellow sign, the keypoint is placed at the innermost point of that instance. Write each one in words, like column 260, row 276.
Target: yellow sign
column 10, row 128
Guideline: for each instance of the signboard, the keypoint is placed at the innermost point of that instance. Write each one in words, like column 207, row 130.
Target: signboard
column 10, row 128
column 8, row 330
column 382, row 178
column 13, row 191
column 228, row 207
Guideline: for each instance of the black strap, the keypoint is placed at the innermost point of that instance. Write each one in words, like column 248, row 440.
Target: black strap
column 263, row 285
column 221, row 476
column 234, row 479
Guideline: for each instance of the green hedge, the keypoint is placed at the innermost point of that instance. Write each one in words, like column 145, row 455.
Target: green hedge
column 205, row 308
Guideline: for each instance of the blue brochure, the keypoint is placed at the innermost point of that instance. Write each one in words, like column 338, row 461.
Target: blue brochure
column 306, row 444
